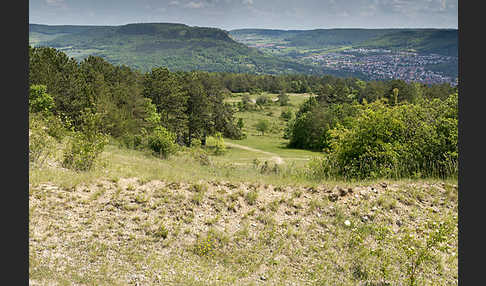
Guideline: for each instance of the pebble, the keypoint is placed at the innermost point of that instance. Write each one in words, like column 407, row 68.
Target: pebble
column 347, row 222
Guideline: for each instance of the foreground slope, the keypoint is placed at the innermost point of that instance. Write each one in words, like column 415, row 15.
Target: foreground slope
column 139, row 220
column 138, row 232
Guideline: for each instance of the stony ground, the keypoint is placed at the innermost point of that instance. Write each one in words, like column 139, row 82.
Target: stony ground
column 134, row 232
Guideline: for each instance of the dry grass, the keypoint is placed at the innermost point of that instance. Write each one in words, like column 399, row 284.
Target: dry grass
column 152, row 232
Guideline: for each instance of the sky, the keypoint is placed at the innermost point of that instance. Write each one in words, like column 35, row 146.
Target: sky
column 238, row 14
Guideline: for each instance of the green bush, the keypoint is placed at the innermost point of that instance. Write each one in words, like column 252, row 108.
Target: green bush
column 41, row 144
column 39, row 100
column 286, row 114
column 56, row 128
column 220, row 148
column 283, row 99
column 86, row 144
column 162, row 142
column 83, row 151
column 262, row 125
column 398, row 141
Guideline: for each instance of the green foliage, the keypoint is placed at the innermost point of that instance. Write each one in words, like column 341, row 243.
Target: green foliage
column 86, row 144
column 175, row 46
column 41, row 144
column 420, row 250
column 56, row 128
column 310, row 128
column 240, row 123
column 161, row 232
column 219, row 147
column 251, row 197
column 262, row 126
column 398, row 141
column 283, row 99
column 39, row 100
column 162, row 142
column 287, row 114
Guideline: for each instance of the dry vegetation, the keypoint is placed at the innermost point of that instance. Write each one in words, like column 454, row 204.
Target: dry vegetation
column 133, row 231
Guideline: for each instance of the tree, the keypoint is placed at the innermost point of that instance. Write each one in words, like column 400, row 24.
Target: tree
column 262, row 125
column 164, row 88
column 283, row 98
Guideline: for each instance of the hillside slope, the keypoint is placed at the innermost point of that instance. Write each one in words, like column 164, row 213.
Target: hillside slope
column 424, row 55
column 176, row 46
column 440, row 41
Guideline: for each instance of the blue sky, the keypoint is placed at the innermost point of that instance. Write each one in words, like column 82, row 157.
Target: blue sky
column 235, row 14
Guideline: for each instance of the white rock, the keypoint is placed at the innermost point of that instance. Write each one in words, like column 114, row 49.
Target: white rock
column 347, row 222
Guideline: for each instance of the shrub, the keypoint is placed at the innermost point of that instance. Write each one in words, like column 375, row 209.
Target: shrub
column 251, row 197
column 398, row 141
column 83, row 151
column 420, row 251
column 39, row 100
column 286, row 114
column 220, row 148
column 86, row 144
column 56, row 128
column 283, row 98
column 262, row 126
column 41, row 144
column 162, row 142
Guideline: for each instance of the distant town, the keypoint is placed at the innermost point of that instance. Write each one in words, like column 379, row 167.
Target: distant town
column 381, row 64
column 376, row 64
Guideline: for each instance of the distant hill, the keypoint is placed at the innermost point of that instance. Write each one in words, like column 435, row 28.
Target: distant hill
column 425, row 55
column 440, row 41
column 176, row 46
column 259, row 51
column 435, row 41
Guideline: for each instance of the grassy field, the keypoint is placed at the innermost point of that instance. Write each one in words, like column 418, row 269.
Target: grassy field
column 201, row 219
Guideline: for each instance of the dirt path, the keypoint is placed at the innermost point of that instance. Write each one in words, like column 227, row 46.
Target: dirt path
column 275, row 157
